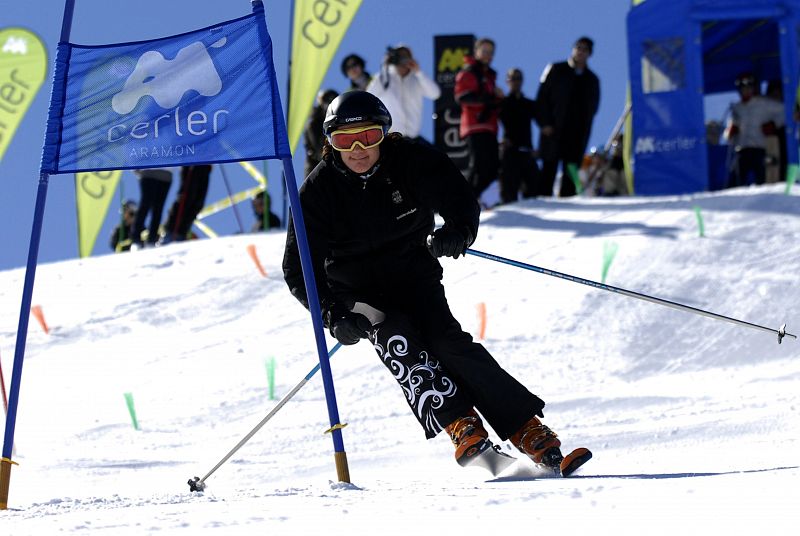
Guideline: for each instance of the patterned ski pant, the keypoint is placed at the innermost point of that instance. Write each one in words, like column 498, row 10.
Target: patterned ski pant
column 443, row 386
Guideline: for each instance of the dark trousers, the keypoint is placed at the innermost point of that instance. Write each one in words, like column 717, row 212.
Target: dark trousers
column 750, row 160
column 483, row 161
column 189, row 203
column 518, row 173
column 442, row 372
column 548, row 177
column 153, row 195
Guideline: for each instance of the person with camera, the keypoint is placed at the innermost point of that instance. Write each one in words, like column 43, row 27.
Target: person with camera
column 479, row 97
column 369, row 218
column 402, row 86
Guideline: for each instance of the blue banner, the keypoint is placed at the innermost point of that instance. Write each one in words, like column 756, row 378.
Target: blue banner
column 204, row 96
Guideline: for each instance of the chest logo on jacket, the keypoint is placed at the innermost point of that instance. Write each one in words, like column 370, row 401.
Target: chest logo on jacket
column 396, row 197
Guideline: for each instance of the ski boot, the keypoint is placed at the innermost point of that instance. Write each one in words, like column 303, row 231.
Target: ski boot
column 469, row 437
column 542, row 446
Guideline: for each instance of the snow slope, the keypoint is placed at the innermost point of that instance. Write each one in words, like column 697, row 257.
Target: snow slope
column 693, row 421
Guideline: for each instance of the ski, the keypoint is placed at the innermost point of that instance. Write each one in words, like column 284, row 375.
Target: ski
column 487, row 456
column 504, row 467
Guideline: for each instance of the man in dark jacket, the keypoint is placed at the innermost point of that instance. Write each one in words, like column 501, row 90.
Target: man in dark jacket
column 569, row 94
column 369, row 215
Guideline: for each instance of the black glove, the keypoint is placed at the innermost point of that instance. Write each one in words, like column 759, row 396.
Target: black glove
column 349, row 327
column 447, row 242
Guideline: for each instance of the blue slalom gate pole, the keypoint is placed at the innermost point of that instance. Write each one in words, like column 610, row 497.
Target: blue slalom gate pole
column 602, row 286
column 25, row 307
column 339, row 454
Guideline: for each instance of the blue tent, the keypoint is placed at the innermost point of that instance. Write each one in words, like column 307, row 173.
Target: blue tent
column 681, row 50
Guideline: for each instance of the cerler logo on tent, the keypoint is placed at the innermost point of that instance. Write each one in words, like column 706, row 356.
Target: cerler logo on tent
column 166, row 82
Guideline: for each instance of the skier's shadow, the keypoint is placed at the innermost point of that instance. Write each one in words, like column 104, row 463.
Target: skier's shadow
column 661, row 476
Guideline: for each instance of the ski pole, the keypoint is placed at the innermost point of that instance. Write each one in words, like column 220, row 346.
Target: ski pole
column 198, row 484
column 780, row 332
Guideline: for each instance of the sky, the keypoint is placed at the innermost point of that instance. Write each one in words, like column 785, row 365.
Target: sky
column 529, row 35
column 693, row 422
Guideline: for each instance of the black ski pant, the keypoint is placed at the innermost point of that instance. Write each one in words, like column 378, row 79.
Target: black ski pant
column 518, row 173
column 750, row 161
column 153, row 195
column 484, row 161
column 442, row 372
column 549, row 170
column 189, row 203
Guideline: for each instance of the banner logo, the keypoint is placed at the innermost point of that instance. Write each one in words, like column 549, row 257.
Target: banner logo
column 167, row 81
column 651, row 144
column 15, row 45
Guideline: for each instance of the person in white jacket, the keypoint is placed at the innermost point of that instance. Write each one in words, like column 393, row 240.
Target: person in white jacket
column 402, row 86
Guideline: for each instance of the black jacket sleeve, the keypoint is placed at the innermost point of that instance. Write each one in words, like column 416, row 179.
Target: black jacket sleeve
column 445, row 190
column 315, row 215
column 544, row 98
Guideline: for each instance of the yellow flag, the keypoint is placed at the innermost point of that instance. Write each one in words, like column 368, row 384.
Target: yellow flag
column 23, row 66
column 93, row 194
column 317, row 33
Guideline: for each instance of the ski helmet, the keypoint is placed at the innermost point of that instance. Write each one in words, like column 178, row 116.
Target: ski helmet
column 354, row 107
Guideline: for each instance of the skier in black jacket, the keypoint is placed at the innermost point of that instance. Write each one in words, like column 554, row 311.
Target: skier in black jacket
column 369, row 215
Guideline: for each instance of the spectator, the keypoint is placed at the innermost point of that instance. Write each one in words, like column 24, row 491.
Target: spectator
column 262, row 204
column 614, row 180
column 154, row 186
column 313, row 133
column 188, row 204
column 122, row 234
column 518, row 169
column 776, row 144
column 479, row 97
column 354, row 68
column 378, row 280
column 402, row 86
column 568, row 97
column 752, row 119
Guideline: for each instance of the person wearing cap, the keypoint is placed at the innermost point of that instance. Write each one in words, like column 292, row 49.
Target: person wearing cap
column 568, row 98
column 122, row 234
column 518, row 169
column 312, row 135
column 403, row 86
column 752, row 119
column 262, row 210
column 368, row 209
column 354, row 69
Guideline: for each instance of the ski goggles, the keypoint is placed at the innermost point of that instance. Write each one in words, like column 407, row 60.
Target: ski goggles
column 346, row 139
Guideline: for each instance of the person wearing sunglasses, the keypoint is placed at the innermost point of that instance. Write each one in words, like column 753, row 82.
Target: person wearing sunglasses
column 369, row 216
column 752, row 119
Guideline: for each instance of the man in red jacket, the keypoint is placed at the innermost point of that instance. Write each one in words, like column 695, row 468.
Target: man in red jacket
column 479, row 98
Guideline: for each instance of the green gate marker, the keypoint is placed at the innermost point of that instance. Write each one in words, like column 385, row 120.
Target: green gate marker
column 791, row 177
column 700, row 227
column 572, row 171
column 131, row 410
column 270, row 364
column 609, row 251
